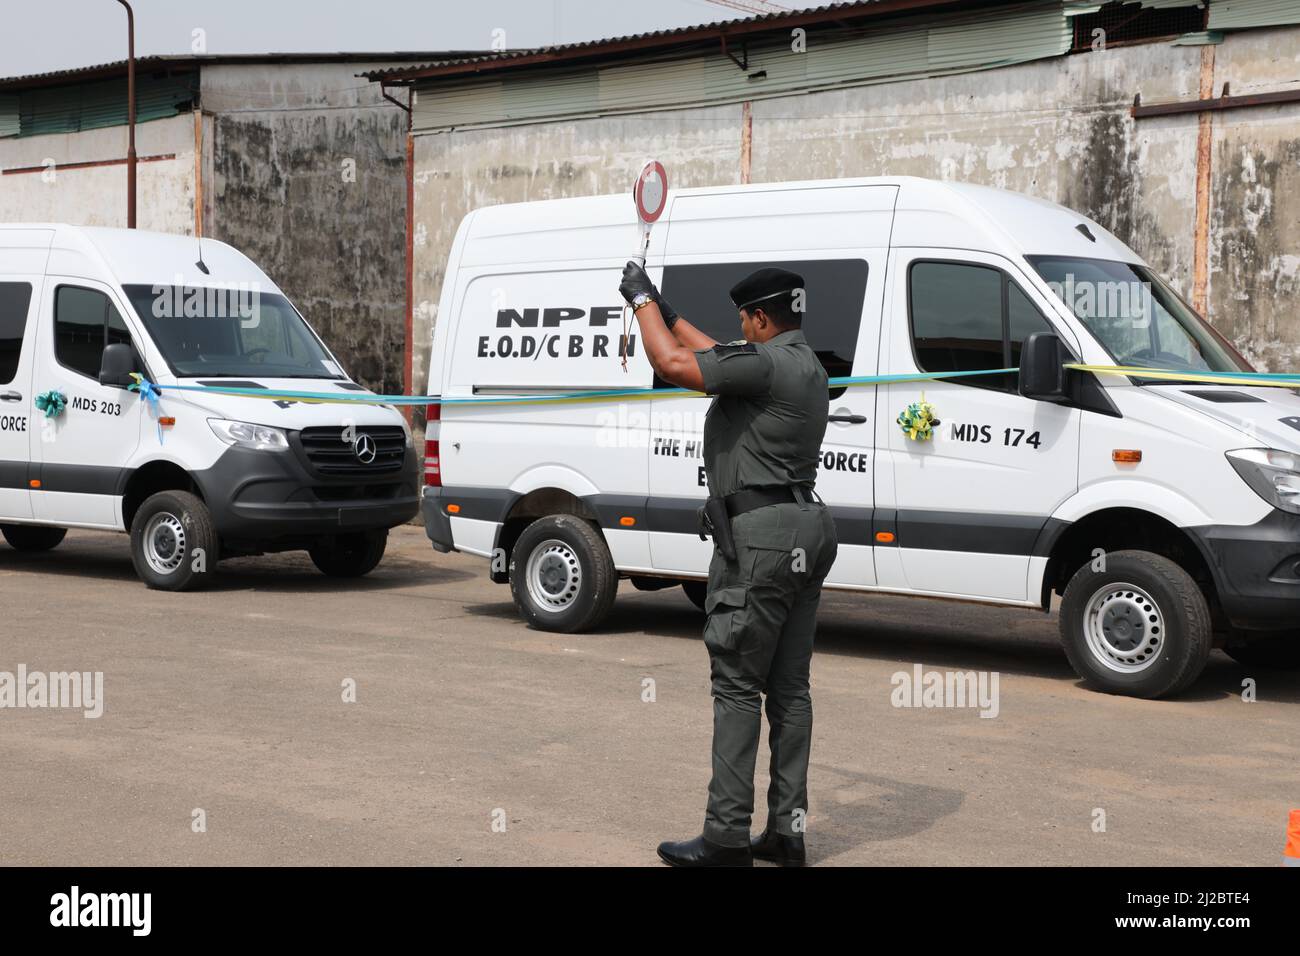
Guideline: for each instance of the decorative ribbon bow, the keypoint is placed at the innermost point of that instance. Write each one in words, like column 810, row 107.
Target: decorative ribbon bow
column 52, row 403
column 918, row 421
column 148, row 391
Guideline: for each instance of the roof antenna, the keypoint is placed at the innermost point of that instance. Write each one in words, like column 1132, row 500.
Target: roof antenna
column 201, row 264
column 1082, row 227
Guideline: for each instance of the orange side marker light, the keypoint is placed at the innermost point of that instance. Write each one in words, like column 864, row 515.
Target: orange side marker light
column 885, row 537
column 453, row 509
column 167, row 421
column 627, row 521
column 1126, row 456
column 34, row 483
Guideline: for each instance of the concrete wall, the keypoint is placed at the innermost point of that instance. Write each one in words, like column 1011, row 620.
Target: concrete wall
column 96, row 196
column 1059, row 129
column 1255, row 216
column 308, row 179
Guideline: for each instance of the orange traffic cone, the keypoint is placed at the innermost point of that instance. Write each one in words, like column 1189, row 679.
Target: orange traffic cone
column 1291, row 852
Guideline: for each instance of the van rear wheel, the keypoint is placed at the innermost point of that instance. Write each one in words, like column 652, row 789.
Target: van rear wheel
column 350, row 555
column 27, row 537
column 562, row 576
column 1141, row 627
column 174, row 543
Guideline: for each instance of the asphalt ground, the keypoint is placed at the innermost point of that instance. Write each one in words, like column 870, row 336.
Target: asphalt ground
column 474, row 740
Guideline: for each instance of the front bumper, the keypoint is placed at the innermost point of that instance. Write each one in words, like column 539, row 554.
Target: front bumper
column 1256, row 570
column 261, row 498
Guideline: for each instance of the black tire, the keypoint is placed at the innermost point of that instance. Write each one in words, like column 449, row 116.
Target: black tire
column 697, row 591
column 574, row 575
column 1273, row 651
column 174, row 543
column 1149, row 624
column 30, row 537
column 350, row 555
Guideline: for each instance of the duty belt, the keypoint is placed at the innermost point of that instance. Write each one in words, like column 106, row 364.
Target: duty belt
column 748, row 499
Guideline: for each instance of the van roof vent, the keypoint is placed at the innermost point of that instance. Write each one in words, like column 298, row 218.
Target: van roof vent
column 1223, row 398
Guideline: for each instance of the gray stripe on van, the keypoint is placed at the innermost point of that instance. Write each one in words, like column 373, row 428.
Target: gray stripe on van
column 934, row 530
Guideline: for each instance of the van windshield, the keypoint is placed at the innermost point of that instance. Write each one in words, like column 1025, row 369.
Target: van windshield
column 230, row 332
column 1137, row 317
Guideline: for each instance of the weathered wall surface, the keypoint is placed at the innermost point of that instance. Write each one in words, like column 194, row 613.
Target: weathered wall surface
column 1255, row 216
column 1059, row 129
column 96, row 196
column 308, row 179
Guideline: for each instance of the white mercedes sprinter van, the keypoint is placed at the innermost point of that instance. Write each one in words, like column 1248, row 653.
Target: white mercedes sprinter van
column 1165, row 513
column 193, row 477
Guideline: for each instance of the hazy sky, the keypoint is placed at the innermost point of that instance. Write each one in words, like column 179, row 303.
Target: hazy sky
column 42, row 35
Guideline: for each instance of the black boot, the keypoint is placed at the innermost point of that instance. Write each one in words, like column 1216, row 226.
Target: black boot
column 778, row 848
column 700, row 852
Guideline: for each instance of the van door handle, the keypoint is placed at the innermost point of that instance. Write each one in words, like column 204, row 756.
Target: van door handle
column 848, row 419
column 11, row 396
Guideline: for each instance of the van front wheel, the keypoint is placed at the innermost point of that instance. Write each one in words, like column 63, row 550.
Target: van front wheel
column 174, row 542
column 1140, row 626
column 562, row 576
column 27, row 537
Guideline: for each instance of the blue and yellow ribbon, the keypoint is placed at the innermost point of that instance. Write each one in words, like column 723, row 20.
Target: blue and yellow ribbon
column 151, row 391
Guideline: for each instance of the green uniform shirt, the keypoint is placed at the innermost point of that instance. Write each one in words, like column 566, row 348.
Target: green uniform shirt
column 766, row 425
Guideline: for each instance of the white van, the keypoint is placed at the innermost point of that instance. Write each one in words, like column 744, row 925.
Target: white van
column 1166, row 513
column 194, row 477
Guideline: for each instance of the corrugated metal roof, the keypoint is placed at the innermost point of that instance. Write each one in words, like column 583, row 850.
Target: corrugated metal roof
column 156, row 62
column 1243, row 14
column 96, row 104
column 918, row 46
column 828, row 13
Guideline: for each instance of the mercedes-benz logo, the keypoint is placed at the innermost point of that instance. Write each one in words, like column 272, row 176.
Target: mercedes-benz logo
column 365, row 450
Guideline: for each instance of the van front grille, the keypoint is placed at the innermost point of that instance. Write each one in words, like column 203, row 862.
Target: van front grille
column 334, row 457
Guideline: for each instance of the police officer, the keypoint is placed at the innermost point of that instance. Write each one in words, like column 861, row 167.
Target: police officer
column 762, row 440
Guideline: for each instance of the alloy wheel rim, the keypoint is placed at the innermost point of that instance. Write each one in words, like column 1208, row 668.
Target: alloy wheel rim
column 164, row 543
column 553, row 576
column 1123, row 628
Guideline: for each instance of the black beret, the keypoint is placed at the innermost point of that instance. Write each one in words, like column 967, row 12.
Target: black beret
column 764, row 284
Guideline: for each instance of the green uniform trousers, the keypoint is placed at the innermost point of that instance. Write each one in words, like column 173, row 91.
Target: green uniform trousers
column 762, row 615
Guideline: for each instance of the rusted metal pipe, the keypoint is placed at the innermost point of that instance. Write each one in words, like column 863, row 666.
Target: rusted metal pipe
column 1206, row 104
column 1204, row 153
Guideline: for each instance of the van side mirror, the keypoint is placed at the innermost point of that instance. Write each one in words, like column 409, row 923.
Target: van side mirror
column 1042, row 367
column 116, row 366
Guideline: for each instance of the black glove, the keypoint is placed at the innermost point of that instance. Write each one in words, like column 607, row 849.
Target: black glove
column 635, row 282
column 666, row 310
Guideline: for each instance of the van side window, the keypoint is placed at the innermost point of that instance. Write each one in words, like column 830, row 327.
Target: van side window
column 835, row 291
column 967, row 317
column 15, row 298
column 84, row 322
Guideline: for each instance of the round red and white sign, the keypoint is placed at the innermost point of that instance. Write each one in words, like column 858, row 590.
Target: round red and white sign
column 651, row 191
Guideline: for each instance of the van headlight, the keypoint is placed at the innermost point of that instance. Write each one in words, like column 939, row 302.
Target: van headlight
column 248, row 435
column 1274, row 475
